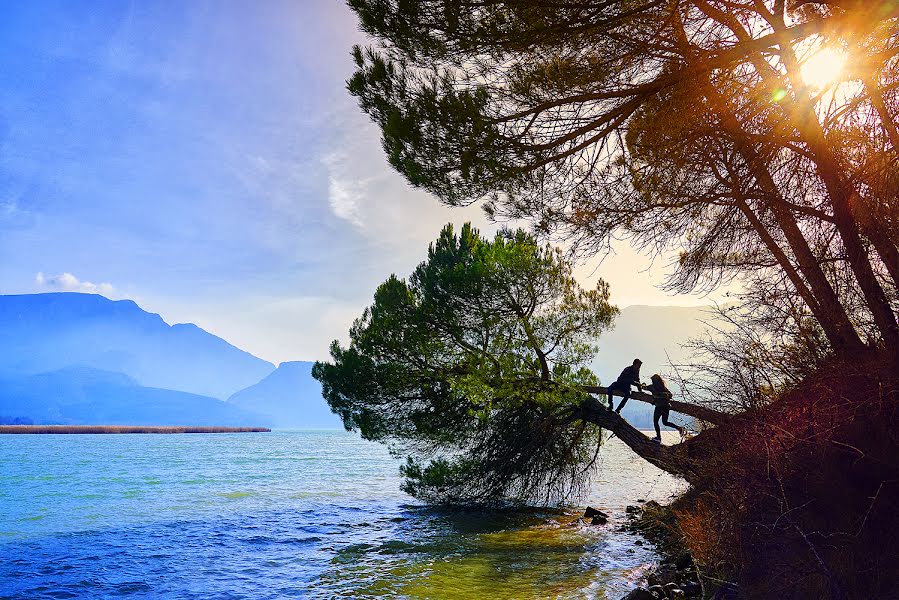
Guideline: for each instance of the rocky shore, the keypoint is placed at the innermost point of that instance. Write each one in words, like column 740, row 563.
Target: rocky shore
column 677, row 577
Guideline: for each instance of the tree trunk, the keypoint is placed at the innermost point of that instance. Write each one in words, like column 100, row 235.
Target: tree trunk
column 672, row 459
column 691, row 410
column 841, row 194
column 831, row 314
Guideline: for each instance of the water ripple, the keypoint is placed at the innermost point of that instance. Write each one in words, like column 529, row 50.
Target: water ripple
column 252, row 516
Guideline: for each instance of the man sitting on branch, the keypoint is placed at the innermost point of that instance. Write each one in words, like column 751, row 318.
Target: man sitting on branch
column 629, row 376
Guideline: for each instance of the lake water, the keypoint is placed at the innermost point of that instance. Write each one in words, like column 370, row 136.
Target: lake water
column 311, row 514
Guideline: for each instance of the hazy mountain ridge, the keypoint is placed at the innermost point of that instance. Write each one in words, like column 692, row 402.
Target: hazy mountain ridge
column 84, row 359
column 290, row 397
column 83, row 396
column 47, row 332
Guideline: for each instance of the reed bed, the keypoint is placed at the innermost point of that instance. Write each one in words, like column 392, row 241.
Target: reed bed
column 124, row 429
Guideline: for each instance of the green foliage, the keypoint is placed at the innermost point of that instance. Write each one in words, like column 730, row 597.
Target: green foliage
column 476, row 362
column 684, row 127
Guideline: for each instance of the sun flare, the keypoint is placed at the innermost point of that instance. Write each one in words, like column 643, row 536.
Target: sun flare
column 823, row 67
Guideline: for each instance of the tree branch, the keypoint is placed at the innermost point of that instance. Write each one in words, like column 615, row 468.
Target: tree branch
column 691, row 410
column 672, row 459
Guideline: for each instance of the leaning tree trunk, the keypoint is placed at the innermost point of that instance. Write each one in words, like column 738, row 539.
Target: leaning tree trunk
column 691, row 410
column 678, row 459
column 672, row 459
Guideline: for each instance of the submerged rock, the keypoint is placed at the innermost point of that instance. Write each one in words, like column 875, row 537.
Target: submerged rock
column 640, row 594
column 592, row 512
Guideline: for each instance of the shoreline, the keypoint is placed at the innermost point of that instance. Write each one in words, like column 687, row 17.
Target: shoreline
column 116, row 429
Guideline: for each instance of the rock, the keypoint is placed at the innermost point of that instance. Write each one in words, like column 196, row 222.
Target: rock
column 638, row 542
column 592, row 512
column 692, row 589
column 677, row 594
column 631, row 509
column 652, row 580
column 686, row 575
column 640, row 594
column 599, row 520
column 684, row 561
column 669, row 587
column 728, row 591
column 657, row 590
column 641, row 500
column 666, row 575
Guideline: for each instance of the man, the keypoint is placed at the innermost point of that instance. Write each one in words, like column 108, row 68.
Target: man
column 629, row 376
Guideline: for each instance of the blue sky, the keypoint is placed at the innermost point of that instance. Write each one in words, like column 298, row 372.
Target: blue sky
column 204, row 159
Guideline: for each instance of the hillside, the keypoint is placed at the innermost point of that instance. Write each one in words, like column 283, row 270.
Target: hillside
column 85, row 396
column 48, row 332
column 289, row 397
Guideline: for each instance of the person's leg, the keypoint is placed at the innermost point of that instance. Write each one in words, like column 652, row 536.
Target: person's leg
column 611, row 400
column 668, row 423
column 624, row 397
column 656, row 415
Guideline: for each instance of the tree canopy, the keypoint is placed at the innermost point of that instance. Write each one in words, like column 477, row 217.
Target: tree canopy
column 474, row 367
column 687, row 126
column 701, row 129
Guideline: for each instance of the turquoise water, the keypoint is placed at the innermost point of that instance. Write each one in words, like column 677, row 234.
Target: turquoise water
column 315, row 514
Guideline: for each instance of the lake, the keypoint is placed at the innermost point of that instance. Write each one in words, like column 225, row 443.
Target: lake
column 309, row 514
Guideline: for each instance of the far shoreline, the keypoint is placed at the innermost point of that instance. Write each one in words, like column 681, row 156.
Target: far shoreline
column 103, row 429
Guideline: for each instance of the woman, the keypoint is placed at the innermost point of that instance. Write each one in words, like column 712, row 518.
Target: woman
column 661, row 396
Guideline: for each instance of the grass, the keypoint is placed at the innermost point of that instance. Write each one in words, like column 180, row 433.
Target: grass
column 123, row 429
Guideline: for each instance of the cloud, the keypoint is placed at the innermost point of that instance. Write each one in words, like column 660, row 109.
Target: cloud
column 344, row 197
column 69, row 283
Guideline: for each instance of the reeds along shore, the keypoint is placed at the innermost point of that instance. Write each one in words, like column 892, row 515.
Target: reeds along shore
column 124, row 429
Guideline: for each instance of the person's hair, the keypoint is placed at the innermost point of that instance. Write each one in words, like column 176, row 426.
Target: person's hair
column 637, row 361
column 659, row 384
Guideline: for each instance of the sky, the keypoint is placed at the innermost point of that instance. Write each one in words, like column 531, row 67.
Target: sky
column 205, row 160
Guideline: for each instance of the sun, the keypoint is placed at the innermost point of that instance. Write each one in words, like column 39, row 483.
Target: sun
column 823, row 67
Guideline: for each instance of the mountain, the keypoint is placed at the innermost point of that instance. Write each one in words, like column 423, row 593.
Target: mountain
column 655, row 335
column 86, row 396
column 48, row 332
column 290, row 397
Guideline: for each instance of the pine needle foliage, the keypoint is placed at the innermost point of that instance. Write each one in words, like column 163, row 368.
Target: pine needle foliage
column 472, row 367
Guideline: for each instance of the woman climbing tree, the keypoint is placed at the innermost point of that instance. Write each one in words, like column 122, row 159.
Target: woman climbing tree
column 661, row 396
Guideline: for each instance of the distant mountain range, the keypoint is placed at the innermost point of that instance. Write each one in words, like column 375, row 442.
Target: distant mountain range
column 47, row 332
column 71, row 358
column 86, row 396
column 289, row 380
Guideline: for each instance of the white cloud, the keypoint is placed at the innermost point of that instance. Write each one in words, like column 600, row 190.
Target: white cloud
column 344, row 197
column 69, row 283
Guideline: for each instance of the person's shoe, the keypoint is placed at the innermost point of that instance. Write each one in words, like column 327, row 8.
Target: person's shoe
column 657, row 439
column 618, row 411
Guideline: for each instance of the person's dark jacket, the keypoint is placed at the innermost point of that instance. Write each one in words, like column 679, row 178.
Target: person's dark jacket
column 629, row 376
column 661, row 395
